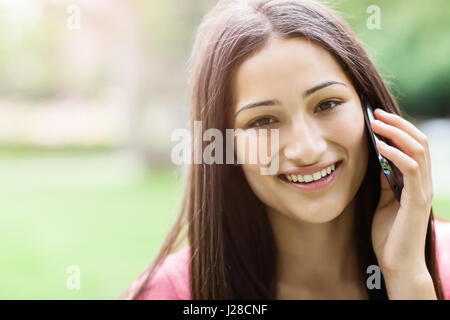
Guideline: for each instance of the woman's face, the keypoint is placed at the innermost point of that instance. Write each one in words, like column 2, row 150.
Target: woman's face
column 320, row 121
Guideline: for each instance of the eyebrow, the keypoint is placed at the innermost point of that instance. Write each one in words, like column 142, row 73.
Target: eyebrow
column 307, row 93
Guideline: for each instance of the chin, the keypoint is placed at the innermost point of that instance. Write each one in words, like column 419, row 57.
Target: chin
column 322, row 216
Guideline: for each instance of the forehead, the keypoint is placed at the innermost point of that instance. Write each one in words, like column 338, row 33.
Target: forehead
column 283, row 66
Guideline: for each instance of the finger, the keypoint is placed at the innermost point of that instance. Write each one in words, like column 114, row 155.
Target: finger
column 402, row 140
column 402, row 124
column 406, row 126
column 412, row 179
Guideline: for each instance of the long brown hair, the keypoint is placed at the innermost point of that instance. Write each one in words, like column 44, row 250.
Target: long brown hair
column 232, row 247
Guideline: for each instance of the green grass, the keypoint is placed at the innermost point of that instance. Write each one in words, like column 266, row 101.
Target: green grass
column 441, row 207
column 95, row 210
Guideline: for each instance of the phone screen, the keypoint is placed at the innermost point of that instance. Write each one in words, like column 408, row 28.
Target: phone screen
column 391, row 172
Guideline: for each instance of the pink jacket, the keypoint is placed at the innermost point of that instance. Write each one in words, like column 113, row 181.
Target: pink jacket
column 171, row 279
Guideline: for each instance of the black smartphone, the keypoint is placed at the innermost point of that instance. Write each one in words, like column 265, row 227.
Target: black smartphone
column 392, row 173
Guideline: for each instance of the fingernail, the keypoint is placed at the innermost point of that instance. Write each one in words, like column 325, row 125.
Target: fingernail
column 380, row 110
column 377, row 122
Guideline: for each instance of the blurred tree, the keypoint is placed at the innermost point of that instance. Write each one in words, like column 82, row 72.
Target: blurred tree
column 411, row 50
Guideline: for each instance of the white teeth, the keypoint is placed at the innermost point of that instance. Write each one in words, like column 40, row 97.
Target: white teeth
column 317, row 176
column 310, row 177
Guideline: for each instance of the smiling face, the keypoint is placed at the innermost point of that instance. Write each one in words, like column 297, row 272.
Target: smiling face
column 297, row 87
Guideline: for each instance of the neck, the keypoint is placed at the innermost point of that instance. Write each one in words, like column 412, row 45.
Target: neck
column 316, row 257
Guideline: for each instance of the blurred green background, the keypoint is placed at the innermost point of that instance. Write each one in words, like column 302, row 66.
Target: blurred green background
column 86, row 116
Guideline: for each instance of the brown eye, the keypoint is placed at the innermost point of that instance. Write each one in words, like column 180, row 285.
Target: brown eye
column 262, row 122
column 328, row 105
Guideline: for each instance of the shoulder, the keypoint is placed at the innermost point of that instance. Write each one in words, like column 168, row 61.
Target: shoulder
column 442, row 235
column 170, row 280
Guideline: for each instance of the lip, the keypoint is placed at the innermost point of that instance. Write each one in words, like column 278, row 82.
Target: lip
column 311, row 169
column 314, row 185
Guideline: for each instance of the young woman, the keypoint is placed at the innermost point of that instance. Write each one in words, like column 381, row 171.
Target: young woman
column 297, row 67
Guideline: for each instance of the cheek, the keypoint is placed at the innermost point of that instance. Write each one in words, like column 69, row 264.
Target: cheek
column 348, row 130
column 256, row 147
column 246, row 148
column 255, row 152
column 264, row 187
column 246, row 143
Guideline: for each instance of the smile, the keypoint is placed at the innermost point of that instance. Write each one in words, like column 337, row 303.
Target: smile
column 315, row 181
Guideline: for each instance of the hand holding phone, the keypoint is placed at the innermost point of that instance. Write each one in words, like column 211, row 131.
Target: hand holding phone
column 391, row 172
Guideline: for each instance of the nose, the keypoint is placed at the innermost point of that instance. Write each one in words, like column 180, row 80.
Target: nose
column 305, row 144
